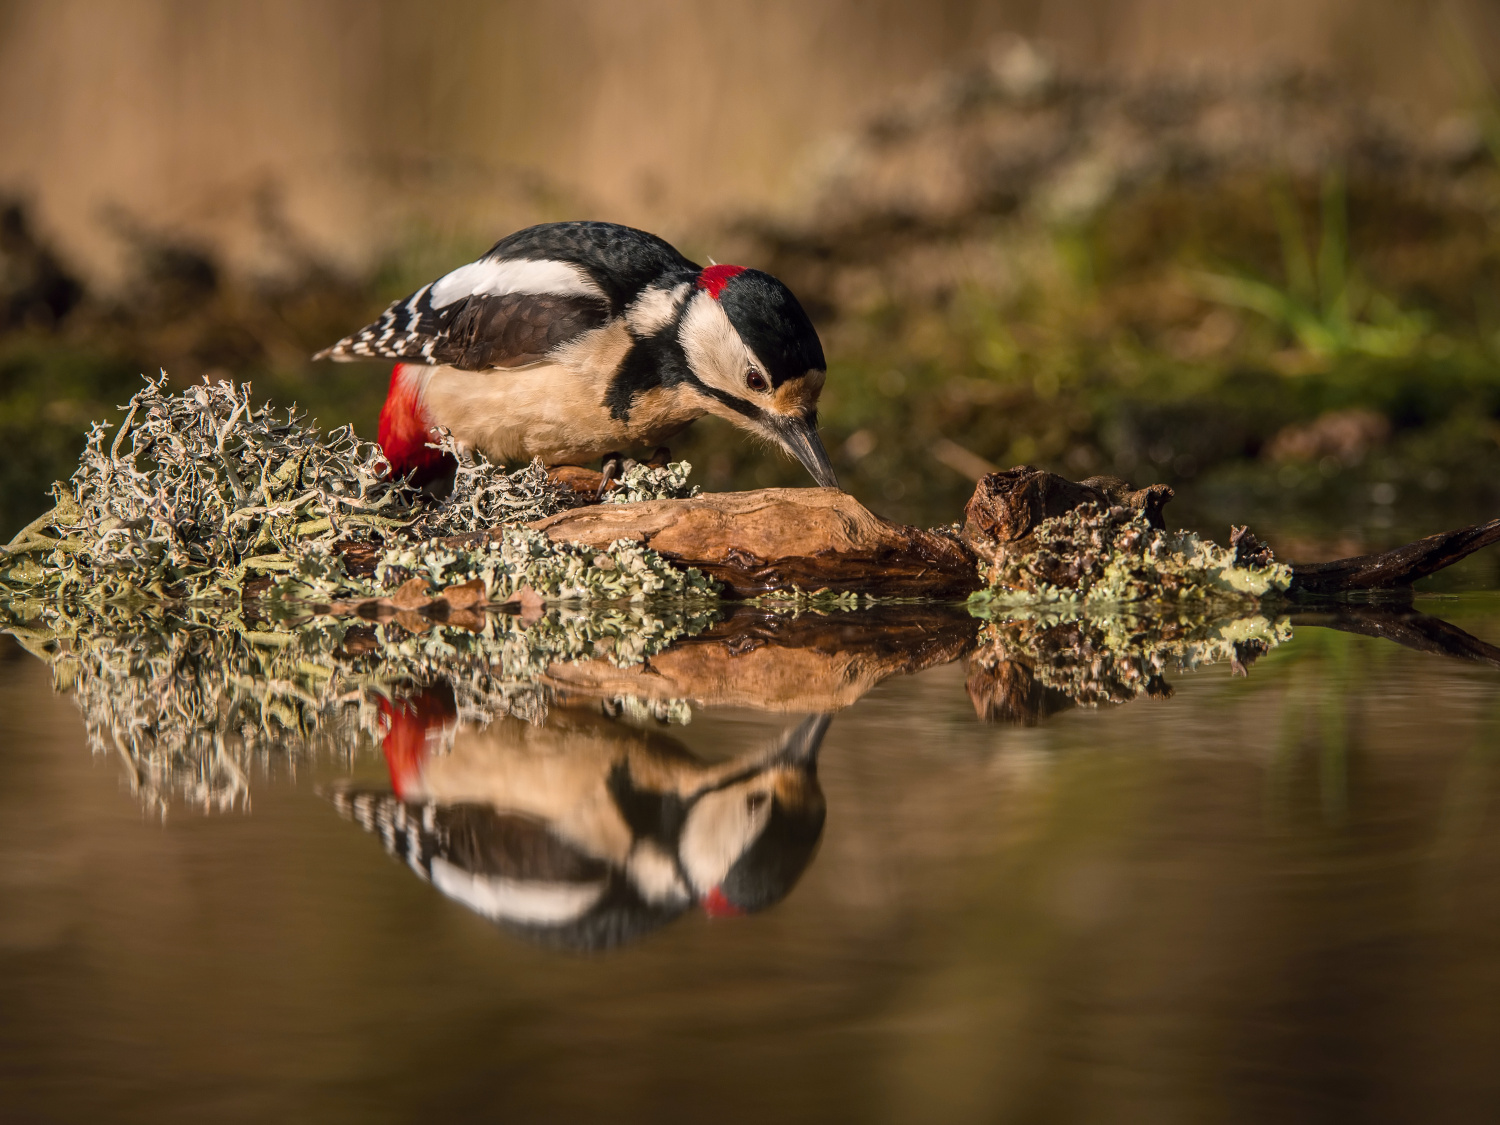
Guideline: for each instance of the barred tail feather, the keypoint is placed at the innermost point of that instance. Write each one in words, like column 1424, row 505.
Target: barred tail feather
column 409, row 329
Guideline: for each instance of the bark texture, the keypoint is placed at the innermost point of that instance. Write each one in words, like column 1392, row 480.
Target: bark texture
column 777, row 538
column 1394, row 569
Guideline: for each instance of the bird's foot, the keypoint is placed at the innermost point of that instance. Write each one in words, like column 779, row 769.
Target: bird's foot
column 611, row 466
column 661, row 458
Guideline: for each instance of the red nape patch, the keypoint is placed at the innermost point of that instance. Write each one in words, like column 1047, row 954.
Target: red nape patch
column 405, row 429
column 405, row 742
column 714, row 278
column 715, row 905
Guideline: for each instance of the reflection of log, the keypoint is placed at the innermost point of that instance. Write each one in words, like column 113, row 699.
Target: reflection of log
column 1006, row 691
column 1394, row 569
column 777, row 538
column 1405, row 626
column 776, row 662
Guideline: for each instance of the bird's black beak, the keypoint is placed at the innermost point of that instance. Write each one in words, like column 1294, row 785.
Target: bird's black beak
column 799, row 746
column 800, row 438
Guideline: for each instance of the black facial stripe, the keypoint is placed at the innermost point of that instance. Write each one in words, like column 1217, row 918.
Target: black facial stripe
column 748, row 409
column 652, row 361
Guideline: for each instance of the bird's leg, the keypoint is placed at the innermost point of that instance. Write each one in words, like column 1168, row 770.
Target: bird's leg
column 661, row 458
column 610, row 467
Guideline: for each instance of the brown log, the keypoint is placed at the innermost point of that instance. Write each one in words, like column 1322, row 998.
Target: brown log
column 1395, row 569
column 811, row 538
column 775, row 662
column 778, row 538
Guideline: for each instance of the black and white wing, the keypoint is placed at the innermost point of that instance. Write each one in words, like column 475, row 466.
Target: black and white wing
column 510, row 869
column 534, row 291
column 490, row 313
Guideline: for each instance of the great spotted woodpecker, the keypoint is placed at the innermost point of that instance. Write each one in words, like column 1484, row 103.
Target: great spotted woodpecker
column 569, row 341
column 587, row 833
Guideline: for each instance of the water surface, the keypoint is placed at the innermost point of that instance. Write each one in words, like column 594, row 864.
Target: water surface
column 1232, row 898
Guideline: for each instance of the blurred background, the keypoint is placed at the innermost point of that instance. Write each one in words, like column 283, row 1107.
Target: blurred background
column 1250, row 250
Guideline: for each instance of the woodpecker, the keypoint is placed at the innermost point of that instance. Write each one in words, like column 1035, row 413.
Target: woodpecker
column 585, row 833
column 573, row 341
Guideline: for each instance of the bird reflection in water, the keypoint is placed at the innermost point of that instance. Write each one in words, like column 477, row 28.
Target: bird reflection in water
column 586, row 833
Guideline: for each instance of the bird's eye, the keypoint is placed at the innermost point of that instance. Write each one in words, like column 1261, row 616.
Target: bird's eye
column 754, row 801
column 755, row 380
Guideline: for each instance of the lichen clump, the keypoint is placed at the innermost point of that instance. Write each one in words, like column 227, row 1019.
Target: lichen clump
column 1098, row 555
column 519, row 557
column 640, row 481
column 484, row 495
column 198, row 491
column 201, row 492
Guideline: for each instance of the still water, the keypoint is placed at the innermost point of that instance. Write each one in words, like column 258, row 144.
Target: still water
column 980, row 891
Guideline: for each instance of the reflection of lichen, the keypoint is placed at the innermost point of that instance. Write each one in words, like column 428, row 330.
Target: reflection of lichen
column 634, row 709
column 193, row 701
column 1092, row 659
column 1095, row 555
column 823, row 599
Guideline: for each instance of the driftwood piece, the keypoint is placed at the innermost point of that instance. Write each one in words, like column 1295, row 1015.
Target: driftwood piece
column 1394, row 569
column 778, row 538
column 774, row 662
column 1002, row 516
column 1006, row 508
column 811, row 538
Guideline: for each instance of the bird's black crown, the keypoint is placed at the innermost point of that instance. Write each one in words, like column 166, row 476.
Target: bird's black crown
column 770, row 319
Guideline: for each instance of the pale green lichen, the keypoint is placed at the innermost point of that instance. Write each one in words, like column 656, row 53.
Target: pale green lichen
column 639, row 481
column 198, row 492
column 202, row 491
column 516, row 558
column 484, row 495
column 1113, row 556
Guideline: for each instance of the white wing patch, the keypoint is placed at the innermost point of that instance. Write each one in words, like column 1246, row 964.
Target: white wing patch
column 496, row 277
column 655, row 308
column 502, row 899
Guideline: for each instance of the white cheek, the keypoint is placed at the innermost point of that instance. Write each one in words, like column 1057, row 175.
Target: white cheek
column 718, row 830
column 714, row 349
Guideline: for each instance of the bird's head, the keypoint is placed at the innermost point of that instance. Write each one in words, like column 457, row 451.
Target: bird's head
column 757, row 361
column 746, row 842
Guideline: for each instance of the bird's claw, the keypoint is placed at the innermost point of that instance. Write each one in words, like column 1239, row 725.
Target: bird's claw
column 610, row 468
